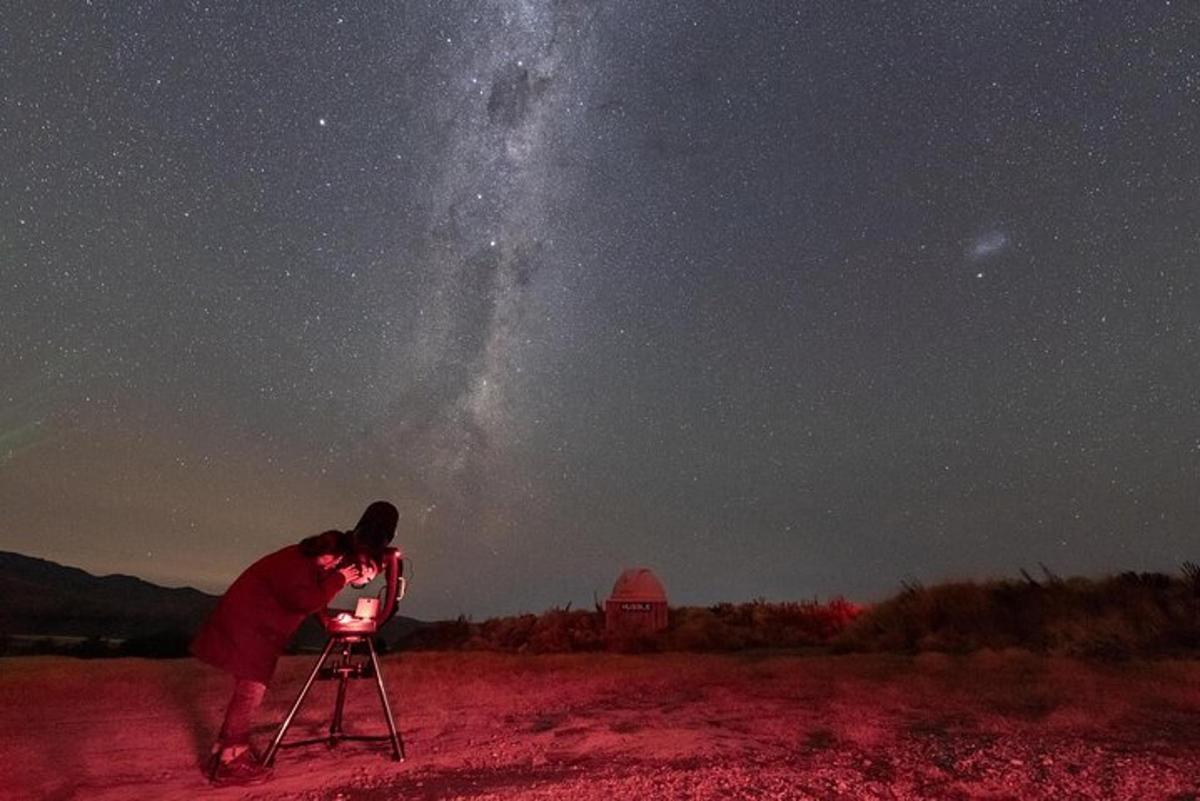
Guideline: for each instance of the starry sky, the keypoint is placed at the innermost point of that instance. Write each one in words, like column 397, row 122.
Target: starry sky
column 780, row 299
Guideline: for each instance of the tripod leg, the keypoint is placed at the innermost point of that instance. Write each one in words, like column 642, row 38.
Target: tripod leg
column 397, row 743
column 335, row 726
column 269, row 757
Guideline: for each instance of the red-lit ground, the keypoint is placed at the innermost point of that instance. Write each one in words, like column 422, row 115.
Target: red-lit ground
column 487, row 726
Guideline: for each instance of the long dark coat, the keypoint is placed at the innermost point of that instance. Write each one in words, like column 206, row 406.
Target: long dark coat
column 260, row 612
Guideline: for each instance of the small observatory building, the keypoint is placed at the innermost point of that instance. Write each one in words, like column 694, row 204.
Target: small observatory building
column 638, row 604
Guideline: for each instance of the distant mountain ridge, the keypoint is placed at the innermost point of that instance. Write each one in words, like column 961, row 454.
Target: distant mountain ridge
column 48, row 599
column 40, row 598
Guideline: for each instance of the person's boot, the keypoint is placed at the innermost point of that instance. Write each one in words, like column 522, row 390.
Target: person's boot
column 241, row 770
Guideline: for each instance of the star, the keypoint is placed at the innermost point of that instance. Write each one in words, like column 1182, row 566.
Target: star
column 699, row 278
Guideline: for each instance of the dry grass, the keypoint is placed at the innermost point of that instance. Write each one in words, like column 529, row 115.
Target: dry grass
column 723, row 627
column 1114, row 618
column 1111, row 618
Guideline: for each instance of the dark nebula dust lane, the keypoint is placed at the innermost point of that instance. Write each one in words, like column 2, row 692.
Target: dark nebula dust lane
column 785, row 301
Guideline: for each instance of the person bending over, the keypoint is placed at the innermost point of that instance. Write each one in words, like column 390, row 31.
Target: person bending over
column 257, row 616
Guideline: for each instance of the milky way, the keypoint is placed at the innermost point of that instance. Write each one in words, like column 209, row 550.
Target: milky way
column 517, row 93
column 779, row 299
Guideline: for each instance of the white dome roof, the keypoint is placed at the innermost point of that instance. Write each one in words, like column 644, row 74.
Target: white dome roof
column 639, row 584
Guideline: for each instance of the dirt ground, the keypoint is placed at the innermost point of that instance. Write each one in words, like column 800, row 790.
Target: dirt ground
column 599, row 726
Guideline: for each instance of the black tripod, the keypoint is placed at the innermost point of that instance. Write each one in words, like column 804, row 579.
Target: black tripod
column 345, row 631
column 343, row 668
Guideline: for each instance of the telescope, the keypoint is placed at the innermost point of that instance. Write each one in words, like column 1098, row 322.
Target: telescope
column 370, row 614
column 348, row 629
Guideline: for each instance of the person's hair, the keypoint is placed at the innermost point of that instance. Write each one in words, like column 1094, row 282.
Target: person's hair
column 376, row 528
column 336, row 543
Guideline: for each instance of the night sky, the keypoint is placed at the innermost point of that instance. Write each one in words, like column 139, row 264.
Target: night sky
column 777, row 299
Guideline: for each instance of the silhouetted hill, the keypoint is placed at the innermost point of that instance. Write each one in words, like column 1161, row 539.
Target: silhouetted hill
column 45, row 598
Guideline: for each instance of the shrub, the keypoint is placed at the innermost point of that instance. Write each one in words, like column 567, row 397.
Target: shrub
column 724, row 627
column 1110, row 618
column 168, row 644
